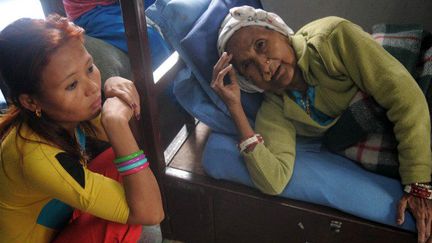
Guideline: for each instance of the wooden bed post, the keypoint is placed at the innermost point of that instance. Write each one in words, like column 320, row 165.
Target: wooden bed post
column 147, row 129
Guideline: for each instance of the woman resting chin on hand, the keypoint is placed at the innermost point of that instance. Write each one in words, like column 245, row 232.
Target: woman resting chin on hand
column 71, row 170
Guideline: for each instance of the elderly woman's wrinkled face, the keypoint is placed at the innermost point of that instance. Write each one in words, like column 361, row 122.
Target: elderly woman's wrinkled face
column 263, row 56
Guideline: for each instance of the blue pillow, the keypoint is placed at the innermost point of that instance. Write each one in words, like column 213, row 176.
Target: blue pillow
column 147, row 3
column 176, row 17
column 194, row 100
column 194, row 37
column 200, row 45
column 192, row 97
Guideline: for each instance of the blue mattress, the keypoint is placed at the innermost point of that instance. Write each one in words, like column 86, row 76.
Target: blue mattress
column 319, row 177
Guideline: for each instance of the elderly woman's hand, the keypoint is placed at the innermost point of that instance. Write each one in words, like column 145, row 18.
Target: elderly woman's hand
column 230, row 93
column 421, row 209
column 125, row 90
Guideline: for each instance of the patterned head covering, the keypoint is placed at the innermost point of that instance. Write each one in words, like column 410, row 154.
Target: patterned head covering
column 239, row 17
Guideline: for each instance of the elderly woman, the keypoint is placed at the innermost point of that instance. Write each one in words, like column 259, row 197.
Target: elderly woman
column 309, row 79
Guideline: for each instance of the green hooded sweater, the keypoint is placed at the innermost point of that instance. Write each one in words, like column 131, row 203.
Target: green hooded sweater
column 338, row 58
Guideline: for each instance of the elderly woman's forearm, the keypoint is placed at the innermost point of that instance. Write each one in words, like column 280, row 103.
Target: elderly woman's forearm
column 270, row 173
column 241, row 121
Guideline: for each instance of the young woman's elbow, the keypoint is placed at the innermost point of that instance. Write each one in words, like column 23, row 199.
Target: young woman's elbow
column 149, row 218
column 156, row 218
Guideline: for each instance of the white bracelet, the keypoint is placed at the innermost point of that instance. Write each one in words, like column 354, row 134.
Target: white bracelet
column 246, row 143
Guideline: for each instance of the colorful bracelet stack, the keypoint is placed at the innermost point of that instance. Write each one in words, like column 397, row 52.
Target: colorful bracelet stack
column 419, row 190
column 250, row 143
column 131, row 164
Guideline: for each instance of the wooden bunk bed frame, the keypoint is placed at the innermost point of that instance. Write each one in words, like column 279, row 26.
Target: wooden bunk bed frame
column 199, row 208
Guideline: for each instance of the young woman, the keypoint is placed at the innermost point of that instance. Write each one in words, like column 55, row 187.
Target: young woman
column 309, row 79
column 57, row 139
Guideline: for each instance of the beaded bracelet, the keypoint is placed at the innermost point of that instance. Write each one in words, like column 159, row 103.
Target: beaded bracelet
column 419, row 190
column 128, row 157
column 249, row 142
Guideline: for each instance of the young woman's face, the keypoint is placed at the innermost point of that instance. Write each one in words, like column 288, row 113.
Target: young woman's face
column 71, row 86
column 263, row 56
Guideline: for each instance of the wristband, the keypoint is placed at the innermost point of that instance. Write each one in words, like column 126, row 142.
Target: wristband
column 245, row 144
column 419, row 190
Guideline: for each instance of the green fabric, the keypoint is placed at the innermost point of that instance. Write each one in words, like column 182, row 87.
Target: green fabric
column 339, row 58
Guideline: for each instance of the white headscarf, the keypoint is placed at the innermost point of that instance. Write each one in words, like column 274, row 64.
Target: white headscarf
column 239, row 17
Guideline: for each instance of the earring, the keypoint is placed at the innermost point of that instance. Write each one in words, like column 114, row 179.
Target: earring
column 38, row 113
column 268, row 62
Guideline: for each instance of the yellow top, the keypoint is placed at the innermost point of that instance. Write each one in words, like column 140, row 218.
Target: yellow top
column 40, row 187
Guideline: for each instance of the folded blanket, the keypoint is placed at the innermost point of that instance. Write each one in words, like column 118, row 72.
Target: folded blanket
column 371, row 141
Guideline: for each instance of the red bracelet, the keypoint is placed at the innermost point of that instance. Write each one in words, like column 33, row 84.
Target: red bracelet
column 419, row 190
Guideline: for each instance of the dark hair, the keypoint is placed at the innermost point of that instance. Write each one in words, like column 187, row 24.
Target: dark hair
column 26, row 47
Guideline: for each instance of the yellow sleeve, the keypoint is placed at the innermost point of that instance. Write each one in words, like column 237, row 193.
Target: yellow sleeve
column 99, row 196
column 271, row 164
column 379, row 74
